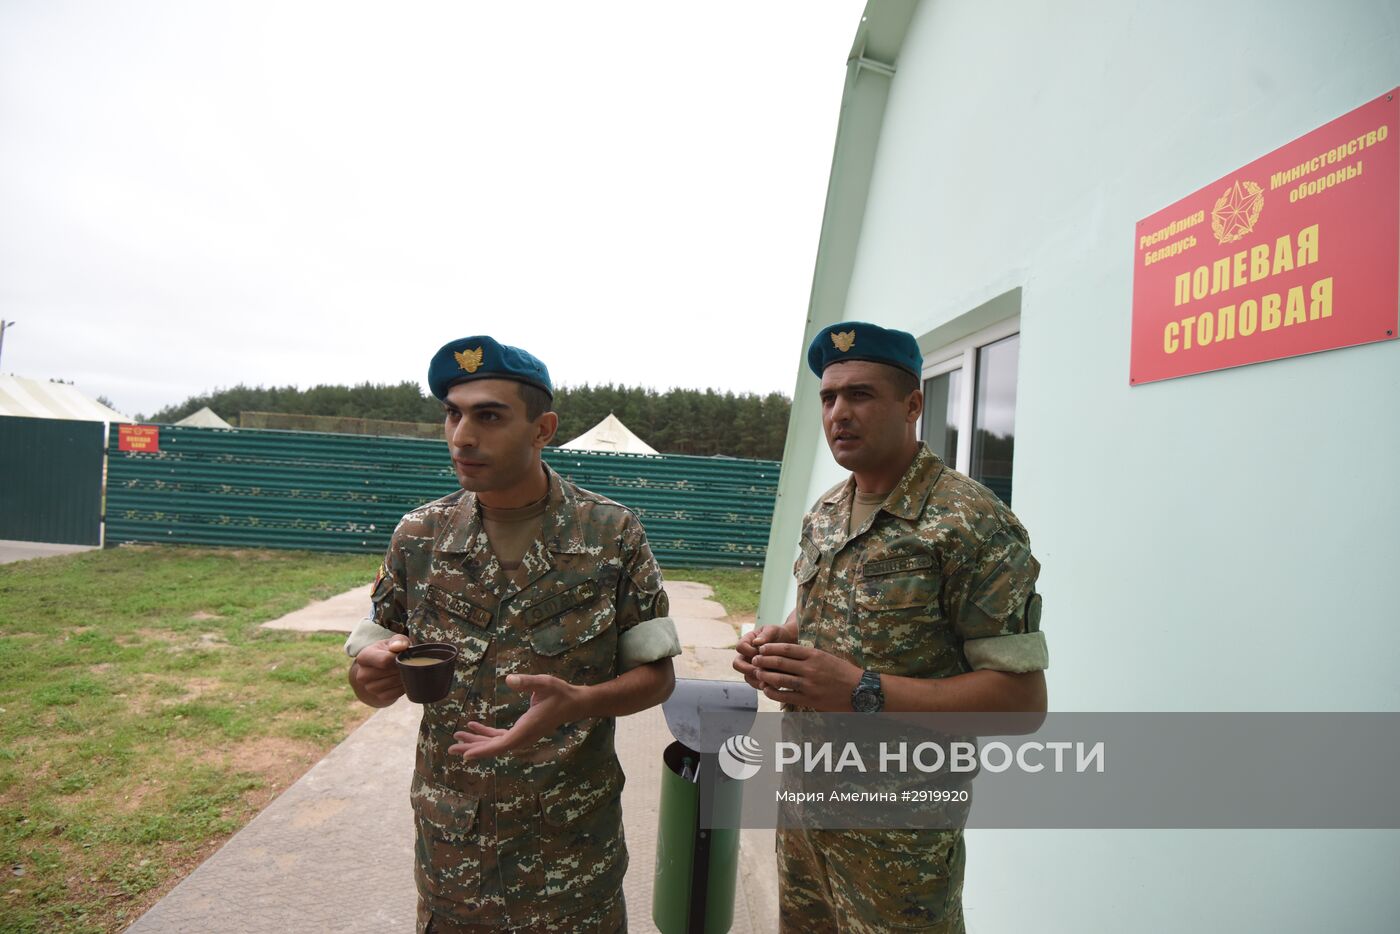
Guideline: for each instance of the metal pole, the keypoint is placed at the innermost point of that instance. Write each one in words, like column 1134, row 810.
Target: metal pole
column 3, row 325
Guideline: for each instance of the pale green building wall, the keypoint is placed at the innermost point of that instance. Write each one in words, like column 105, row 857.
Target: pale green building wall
column 1226, row 541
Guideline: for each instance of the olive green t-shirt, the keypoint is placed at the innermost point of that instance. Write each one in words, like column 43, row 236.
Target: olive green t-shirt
column 512, row 532
column 863, row 506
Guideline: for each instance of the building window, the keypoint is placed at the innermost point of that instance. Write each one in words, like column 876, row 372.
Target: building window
column 943, row 411
column 973, row 383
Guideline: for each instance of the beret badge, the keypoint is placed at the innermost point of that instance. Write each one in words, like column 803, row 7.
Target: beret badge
column 844, row 340
column 469, row 360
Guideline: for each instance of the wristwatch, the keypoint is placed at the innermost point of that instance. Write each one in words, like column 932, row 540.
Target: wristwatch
column 868, row 696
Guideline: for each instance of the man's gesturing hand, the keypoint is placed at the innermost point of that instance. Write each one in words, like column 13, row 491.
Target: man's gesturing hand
column 373, row 675
column 552, row 704
column 810, row 677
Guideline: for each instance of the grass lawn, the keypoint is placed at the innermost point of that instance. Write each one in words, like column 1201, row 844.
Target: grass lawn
column 144, row 717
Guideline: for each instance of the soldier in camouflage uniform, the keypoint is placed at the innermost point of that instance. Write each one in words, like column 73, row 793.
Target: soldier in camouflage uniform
column 519, row 820
column 916, row 592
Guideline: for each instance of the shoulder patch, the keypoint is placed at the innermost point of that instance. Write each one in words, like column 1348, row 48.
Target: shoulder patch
column 383, row 586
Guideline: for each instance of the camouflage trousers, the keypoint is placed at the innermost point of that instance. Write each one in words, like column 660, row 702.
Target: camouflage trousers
column 607, row 917
column 868, row 881
column 480, row 866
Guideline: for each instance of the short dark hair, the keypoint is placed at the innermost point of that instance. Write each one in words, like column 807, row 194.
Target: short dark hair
column 537, row 401
column 903, row 381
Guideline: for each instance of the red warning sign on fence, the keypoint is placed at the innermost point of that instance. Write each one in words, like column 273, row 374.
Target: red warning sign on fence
column 138, row 438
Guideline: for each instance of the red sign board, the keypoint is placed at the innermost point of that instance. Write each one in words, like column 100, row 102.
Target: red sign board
column 1294, row 253
column 138, row 438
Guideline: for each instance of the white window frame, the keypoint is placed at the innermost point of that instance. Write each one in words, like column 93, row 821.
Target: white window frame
column 962, row 355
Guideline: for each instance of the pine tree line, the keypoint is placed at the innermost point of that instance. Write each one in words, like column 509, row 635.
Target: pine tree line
column 402, row 403
column 679, row 421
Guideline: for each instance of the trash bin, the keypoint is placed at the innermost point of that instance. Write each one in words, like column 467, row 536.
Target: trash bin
column 697, row 868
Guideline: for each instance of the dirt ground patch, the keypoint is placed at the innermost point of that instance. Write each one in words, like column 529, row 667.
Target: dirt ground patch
column 195, row 688
column 136, row 795
column 275, row 761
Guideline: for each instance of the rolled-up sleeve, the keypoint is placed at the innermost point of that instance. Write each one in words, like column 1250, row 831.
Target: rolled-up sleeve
column 995, row 608
column 388, row 601
column 366, row 632
column 646, row 632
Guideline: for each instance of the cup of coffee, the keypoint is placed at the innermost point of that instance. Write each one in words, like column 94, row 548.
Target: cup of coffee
column 426, row 670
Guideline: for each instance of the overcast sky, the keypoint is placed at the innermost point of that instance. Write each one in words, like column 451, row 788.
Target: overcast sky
column 198, row 194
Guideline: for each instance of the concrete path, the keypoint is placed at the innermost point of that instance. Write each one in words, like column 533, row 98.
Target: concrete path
column 335, row 851
column 11, row 551
column 338, row 614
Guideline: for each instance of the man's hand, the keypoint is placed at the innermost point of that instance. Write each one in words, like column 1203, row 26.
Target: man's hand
column 749, row 646
column 756, row 639
column 374, row 676
column 553, row 703
column 809, row 677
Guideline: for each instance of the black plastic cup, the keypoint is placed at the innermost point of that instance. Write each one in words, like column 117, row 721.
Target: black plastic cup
column 430, row 679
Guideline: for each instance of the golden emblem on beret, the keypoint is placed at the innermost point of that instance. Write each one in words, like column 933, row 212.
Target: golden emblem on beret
column 469, row 360
column 1237, row 211
column 844, row 340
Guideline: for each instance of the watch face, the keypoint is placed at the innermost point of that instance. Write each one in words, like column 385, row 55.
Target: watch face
column 865, row 700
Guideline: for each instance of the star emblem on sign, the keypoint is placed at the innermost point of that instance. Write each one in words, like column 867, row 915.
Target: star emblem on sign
column 1236, row 211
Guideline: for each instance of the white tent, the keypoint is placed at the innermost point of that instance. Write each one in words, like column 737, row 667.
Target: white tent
column 35, row 398
column 612, row 436
column 204, row 418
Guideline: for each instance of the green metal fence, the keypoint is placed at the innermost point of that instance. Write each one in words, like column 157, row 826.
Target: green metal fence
column 329, row 492
column 51, row 480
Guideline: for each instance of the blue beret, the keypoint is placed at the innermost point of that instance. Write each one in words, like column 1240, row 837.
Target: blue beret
column 857, row 340
column 483, row 358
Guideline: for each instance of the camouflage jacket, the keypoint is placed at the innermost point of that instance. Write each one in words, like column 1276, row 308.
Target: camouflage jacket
column 938, row 581
column 521, row 839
